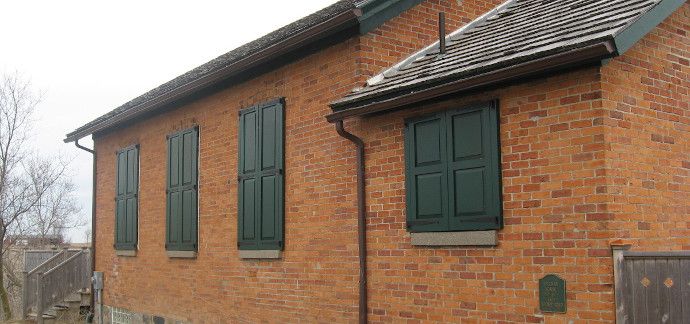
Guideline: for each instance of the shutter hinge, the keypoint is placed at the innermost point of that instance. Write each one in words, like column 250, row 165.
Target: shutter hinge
column 273, row 172
column 421, row 222
column 241, row 177
column 278, row 243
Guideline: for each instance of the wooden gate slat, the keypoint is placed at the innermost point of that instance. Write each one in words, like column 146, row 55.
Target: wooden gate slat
column 639, row 293
column 628, row 283
column 685, row 287
column 663, row 301
column 652, row 291
column 675, row 296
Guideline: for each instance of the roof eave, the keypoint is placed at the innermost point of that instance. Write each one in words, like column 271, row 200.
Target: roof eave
column 342, row 21
column 405, row 97
column 377, row 12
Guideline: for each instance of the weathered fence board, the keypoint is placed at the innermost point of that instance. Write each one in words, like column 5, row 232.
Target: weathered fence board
column 33, row 259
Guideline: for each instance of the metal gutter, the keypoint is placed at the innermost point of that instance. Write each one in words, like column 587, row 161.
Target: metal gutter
column 93, row 216
column 336, row 24
column 578, row 57
column 361, row 219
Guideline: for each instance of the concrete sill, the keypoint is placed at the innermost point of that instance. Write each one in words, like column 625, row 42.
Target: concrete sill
column 260, row 254
column 181, row 254
column 474, row 238
column 126, row 253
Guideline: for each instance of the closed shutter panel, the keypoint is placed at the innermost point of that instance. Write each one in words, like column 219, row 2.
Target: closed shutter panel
column 260, row 177
column 181, row 210
column 126, row 200
column 425, row 152
column 474, row 177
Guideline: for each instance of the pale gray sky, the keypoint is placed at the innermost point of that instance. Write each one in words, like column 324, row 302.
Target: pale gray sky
column 89, row 57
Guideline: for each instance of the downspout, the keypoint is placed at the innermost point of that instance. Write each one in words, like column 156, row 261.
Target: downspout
column 361, row 219
column 93, row 219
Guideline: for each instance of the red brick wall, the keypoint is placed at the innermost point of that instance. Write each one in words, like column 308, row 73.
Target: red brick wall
column 647, row 98
column 552, row 159
column 566, row 193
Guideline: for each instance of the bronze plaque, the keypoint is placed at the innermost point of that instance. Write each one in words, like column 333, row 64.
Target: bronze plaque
column 552, row 294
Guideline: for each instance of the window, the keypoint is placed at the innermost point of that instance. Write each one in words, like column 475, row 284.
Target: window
column 126, row 199
column 452, row 171
column 181, row 209
column 260, row 177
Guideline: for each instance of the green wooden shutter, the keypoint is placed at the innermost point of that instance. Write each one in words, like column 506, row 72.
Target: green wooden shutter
column 425, row 152
column 453, row 174
column 182, row 180
column 260, row 177
column 473, row 170
column 126, row 199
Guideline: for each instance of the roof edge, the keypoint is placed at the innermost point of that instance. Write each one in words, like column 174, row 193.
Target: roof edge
column 636, row 30
column 559, row 61
column 616, row 45
column 363, row 16
column 342, row 21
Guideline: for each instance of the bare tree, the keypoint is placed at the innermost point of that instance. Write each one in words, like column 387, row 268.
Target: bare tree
column 55, row 212
column 87, row 235
column 34, row 191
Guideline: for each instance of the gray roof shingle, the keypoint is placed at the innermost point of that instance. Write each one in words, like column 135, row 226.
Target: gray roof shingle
column 515, row 32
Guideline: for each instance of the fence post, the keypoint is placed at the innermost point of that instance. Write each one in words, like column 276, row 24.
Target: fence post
column 25, row 294
column 39, row 298
column 618, row 248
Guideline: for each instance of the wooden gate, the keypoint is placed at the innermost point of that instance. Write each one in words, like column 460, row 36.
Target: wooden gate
column 652, row 287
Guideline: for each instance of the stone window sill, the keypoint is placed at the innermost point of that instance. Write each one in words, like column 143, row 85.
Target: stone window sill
column 181, row 254
column 260, row 254
column 472, row 238
column 126, row 253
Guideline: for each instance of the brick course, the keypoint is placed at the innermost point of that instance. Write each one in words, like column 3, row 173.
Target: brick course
column 588, row 156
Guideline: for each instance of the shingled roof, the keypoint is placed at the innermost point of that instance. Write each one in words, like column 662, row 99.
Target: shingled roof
column 514, row 34
column 344, row 14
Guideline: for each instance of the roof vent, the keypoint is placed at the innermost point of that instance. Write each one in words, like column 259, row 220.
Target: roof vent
column 442, row 33
column 504, row 14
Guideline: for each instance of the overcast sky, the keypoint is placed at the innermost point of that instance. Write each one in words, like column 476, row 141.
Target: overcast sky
column 88, row 57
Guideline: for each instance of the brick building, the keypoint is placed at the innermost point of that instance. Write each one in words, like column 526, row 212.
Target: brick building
column 530, row 140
